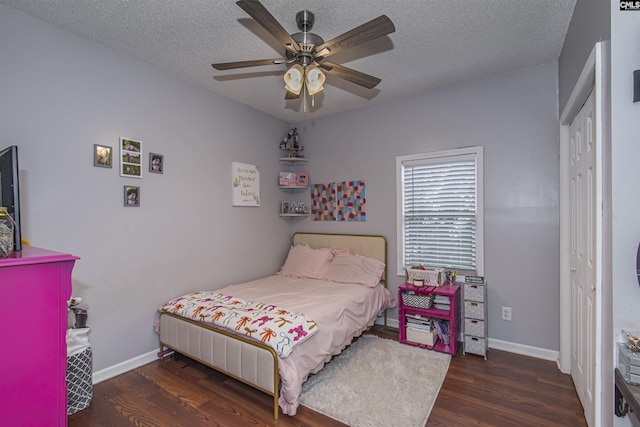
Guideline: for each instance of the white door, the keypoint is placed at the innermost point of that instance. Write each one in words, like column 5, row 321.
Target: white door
column 584, row 217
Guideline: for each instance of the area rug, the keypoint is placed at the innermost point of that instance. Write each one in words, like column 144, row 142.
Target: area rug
column 378, row 382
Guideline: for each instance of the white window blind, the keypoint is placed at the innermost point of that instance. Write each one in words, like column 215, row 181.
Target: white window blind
column 439, row 204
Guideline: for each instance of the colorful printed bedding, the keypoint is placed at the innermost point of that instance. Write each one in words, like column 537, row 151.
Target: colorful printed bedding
column 276, row 327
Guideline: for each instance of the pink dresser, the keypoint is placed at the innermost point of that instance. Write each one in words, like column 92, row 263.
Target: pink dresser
column 35, row 285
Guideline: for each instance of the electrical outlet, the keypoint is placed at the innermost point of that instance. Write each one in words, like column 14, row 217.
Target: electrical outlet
column 506, row 313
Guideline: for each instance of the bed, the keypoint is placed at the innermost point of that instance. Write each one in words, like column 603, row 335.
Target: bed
column 348, row 310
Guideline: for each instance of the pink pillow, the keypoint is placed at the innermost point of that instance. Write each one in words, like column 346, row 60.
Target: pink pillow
column 305, row 262
column 353, row 268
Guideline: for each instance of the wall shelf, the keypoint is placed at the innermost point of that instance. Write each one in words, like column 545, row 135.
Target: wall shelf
column 293, row 160
column 293, row 187
column 293, row 209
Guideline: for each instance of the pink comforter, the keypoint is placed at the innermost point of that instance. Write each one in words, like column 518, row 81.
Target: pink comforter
column 341, row 311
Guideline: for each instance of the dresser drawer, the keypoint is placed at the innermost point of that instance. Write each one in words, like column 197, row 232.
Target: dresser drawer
column 474, row 310
column 475, row 345
column 474, row 327
column 474, row 292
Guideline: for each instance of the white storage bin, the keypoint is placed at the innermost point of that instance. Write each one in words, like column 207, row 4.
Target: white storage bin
column 421, row 336
column 474, row 309
column 474, row 292
column 474, row 327
column 474, row 345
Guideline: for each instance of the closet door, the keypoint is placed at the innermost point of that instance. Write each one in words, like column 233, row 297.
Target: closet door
column 584, row 197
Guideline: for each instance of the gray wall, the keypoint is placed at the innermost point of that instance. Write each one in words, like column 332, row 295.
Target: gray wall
column 590, row 23
column 59, row 95
column 515, row 117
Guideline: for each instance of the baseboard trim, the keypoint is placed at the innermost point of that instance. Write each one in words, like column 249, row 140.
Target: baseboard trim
column 122, row 367
column 525, row 350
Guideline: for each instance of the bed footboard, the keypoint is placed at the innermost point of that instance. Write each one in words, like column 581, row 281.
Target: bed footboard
column 234, row 355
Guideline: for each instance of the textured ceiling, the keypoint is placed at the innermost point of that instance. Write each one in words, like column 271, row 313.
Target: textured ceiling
column 436, row 43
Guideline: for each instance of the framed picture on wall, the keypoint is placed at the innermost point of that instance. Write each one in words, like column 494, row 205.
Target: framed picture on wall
column 130, row 158
column 131, row 196
column 102, row 156
column 245, row 184
column 156, row 163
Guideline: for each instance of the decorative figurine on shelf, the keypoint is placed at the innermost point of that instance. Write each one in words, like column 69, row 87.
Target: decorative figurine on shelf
column 290, row 142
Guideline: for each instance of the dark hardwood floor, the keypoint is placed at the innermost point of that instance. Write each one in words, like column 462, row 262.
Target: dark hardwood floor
column 505, row 390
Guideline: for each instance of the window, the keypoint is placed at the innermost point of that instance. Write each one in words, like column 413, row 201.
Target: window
column 440, row 210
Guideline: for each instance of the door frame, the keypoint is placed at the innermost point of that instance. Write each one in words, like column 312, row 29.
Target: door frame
column 595, row 76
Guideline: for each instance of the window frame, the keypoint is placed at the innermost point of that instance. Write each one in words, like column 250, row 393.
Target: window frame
column 445, row 155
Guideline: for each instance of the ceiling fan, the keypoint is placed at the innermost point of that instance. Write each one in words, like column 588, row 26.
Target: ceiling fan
column 306, row 53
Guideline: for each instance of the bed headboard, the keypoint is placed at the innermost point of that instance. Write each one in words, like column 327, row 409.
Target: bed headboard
column 364, row 244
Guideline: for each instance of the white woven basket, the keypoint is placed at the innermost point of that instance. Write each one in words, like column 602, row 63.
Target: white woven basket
column 432, row 276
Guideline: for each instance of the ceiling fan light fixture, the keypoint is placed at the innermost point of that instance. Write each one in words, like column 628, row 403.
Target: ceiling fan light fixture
column 294, row 78
column 314, row 79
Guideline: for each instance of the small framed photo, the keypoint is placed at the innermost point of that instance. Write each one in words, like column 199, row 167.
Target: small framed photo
column 284, row 208
column 102, row 156
column 131, row 196
column 156, row 163
column 287, row 179
column 130, row 158
column 302, row 179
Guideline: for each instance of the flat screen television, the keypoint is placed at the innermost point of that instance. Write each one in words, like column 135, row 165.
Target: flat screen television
column 10, row 190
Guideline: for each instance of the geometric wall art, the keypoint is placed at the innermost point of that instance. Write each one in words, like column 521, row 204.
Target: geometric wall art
column 339, row 201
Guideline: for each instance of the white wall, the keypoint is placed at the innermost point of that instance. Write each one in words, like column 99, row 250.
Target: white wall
column 625, row 122
column 515, row 117
column 59, row 95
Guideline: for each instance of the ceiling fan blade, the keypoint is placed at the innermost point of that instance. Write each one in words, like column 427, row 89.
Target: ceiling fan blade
column 244, row 64
column 257, row 11
column 381, row 26
column 350, row 74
